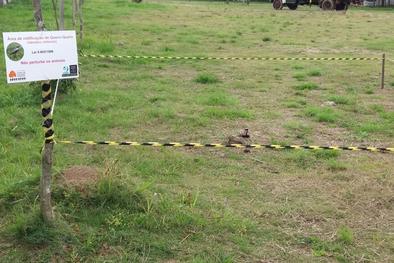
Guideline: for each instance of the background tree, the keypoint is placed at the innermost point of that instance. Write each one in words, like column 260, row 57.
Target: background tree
column 45, row 182
column 38, row 15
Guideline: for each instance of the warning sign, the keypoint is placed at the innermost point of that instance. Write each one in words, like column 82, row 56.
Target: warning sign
column 40, row 55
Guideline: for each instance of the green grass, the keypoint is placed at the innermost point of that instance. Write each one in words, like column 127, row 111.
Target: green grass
column 206, row 78
column 205, row 205
column 314, row 73
column 322, row 114
column 300, row 130
column 342, row 100
column 307, row 86
column 299, row 76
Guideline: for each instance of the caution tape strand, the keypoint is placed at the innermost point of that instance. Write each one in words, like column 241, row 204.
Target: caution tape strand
column 220, row 145
column 232, row 58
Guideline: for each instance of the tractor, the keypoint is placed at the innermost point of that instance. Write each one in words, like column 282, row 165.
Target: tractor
column 324, row 4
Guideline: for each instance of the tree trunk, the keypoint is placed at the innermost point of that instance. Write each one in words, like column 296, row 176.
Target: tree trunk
column 61, row 15
column 54, row 6
column 45, row 182
column 81, row 26
column 46, row 162
column 38, row 15
column 75, row 8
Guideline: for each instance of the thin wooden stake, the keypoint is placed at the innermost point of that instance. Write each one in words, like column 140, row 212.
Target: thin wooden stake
column 383, row 69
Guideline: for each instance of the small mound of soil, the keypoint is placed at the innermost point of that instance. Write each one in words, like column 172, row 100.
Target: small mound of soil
column 79, row 176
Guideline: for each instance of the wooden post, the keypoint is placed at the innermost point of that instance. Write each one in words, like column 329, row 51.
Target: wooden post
column 383, row 69
column 45, row 182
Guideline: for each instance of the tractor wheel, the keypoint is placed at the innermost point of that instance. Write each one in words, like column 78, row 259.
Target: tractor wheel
column 292, row 6
column 277, row 4
column 327, row 5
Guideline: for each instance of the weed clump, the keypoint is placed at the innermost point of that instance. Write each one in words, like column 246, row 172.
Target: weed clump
column 31, row 229
column 321, row 114
column 218, row 99
column 307, row 86
column 314, row 73
column 206, row 78
column 345, row 235
column 341, row 99
column 299, row 76
column 369, row 90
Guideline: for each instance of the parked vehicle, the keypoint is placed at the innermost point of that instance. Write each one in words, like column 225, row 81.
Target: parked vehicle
column 324, row 4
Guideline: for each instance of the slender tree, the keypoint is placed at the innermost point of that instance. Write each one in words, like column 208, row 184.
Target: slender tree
column 45, row 182
column 38, row 15
column 61, row 14
column 80, row 15
column 54, row 6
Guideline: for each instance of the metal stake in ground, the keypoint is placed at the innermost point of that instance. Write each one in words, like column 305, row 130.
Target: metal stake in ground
column 383, row 69
column 45, row 182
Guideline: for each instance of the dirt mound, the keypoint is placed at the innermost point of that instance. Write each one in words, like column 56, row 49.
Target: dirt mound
column 79, row 176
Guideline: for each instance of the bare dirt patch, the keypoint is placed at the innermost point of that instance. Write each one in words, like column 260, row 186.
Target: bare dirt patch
column 79, row 176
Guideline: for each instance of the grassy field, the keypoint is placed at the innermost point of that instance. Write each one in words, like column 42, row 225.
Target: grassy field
column 206, row 205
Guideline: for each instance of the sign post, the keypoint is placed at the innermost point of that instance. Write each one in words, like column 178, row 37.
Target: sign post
column 42, row 56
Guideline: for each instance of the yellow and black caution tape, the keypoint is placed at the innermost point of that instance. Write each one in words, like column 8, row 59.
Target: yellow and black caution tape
column 46, row 107
column 220, row 145
column 232, row 58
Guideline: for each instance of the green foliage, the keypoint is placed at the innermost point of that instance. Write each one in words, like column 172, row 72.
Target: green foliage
column 103, row 45
column 217, row 98
column 336, row 166
column 307, row 86
column 32, row 230
column 219, row 113
column 206, row 78
column 298, row 67
column 345, row 100
column 322, row 248
column 345, row 235
column 299, row 76
column 369, row 90
column 300, row 130
column 322, row 114
column 299, row 103
column 314, row 73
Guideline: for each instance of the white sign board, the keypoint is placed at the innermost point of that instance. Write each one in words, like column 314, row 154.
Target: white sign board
column 40, row 55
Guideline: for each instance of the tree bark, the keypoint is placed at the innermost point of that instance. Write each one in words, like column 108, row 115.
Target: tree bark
column 75, row 8
column 54, row 6
column 38, row 15
column 61, row 14
column 46, row 161
column 45, row 184
column 80, row 14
